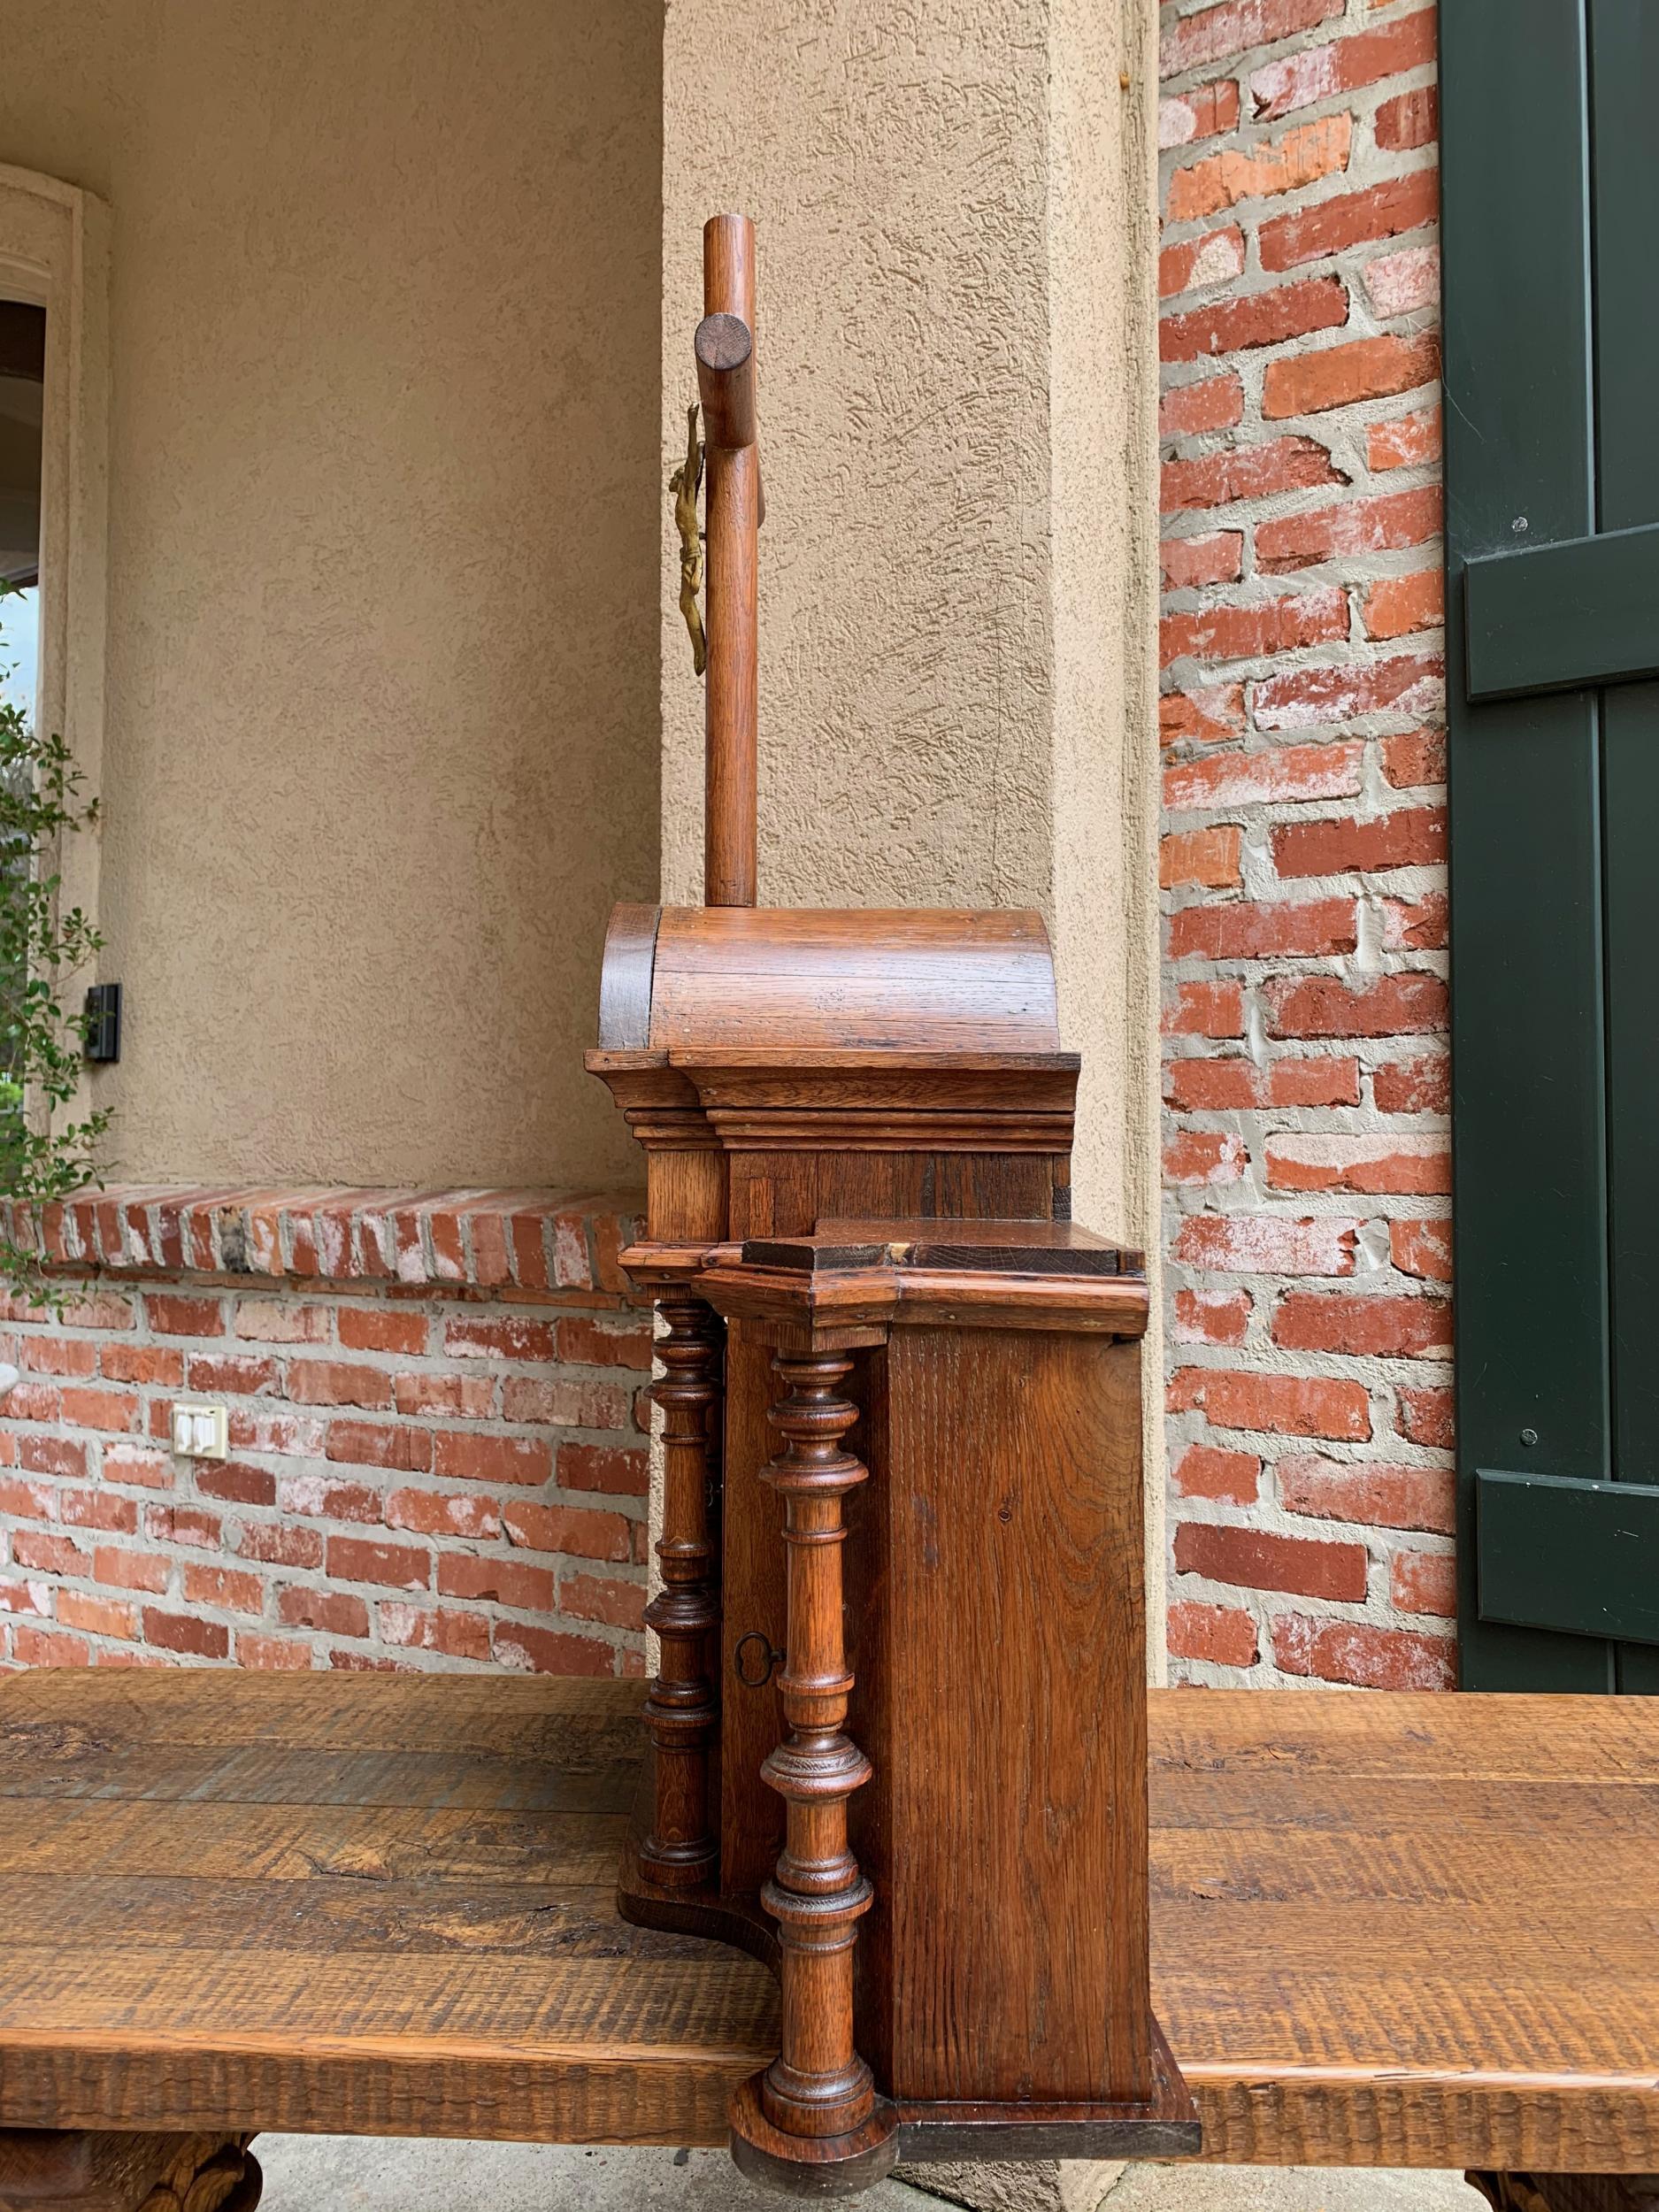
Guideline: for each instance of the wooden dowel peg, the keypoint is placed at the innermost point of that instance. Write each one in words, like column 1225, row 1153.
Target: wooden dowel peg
column 726, row 382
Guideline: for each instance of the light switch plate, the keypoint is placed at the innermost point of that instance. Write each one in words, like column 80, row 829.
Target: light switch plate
column 201, row 1431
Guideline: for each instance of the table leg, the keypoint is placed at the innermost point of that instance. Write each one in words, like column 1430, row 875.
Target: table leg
column 67, row 2169
column 812, row 2122
column 1567, row 2192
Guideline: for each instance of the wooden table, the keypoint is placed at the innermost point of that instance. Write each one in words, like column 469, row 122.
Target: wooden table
column 1388, row 1930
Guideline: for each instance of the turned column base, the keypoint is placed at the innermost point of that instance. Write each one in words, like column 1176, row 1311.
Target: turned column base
column 66, row 2169
column 810, row 2165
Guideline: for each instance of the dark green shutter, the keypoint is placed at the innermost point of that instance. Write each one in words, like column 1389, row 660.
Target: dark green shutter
column 1550, row 169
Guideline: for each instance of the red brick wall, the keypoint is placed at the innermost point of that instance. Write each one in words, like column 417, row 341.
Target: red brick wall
column 437, row 1447
column 437, row 1457
column 1305, row 1082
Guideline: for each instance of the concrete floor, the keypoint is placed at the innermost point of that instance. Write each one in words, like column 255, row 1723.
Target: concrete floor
column 326, row 2173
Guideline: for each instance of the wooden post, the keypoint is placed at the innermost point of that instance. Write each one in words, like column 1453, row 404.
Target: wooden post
column 818, row 2086
column 733, row 521
column 681, row 1851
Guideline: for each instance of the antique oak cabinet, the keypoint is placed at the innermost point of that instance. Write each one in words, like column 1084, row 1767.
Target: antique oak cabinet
column 899, row 1722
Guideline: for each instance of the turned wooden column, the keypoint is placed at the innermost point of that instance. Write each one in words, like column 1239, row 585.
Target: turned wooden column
column 817, row 2085
column 681, row 1712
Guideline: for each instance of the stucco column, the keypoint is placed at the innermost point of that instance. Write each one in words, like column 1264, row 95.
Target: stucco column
column 953, row 204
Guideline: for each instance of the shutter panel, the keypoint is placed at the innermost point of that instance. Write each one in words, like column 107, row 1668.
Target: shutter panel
column 1625, row 174
column 1552, row 323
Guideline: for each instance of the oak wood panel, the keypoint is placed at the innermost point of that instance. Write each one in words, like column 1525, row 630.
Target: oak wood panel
column 686, row 1194
column 1008, row 1798
column 1010, row 1772
column 785, row 1193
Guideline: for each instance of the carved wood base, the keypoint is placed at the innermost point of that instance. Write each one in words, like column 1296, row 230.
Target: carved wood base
column 1567, row 2192
column 51, row 2169
column 1165, row 2127
column 810, row 2165
column 702, row 1911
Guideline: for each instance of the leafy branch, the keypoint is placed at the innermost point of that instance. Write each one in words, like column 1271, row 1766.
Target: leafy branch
column 42, row 948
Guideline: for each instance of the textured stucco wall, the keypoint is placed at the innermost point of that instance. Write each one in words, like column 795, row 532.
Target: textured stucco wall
column 381, row 743
column 954, row 206
column 894, row 160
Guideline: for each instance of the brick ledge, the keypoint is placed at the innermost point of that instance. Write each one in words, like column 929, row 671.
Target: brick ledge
column 529, row 1240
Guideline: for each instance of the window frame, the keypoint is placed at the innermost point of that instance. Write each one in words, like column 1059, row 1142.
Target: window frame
column 54, row 253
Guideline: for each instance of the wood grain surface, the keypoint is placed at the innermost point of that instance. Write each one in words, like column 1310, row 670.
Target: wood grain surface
column 1386, row 1929
column 868, row 978
column 724, row 350
column 625, row 977
column 47, row 2171
column 819, row 2085
column 1006, row 1827
column 732, row 501
column 375, row 1905
column 1413, row 1930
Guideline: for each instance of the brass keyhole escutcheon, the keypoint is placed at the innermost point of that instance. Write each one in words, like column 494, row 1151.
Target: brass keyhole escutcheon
column 754, row 1669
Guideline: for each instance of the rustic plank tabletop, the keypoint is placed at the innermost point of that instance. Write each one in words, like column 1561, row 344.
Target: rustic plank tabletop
column 1387, row 1930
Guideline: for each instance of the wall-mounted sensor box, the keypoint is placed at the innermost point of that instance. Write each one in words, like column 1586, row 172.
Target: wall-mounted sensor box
column 101, row 1032
column 201, row 1431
